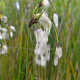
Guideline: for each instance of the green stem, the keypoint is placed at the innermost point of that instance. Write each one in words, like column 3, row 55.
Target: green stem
column 22, row 24
column 56, row 32
column 35, row 9
column 20, row 54
column 53, row 5
column 23, row 73
column 27, row 55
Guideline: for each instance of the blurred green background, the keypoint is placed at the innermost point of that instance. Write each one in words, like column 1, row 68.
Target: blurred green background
column 19, row 64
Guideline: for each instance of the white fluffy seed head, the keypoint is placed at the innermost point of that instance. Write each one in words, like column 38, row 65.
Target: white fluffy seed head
column 38, row 33
column 11, row 34
column 12, row 28
column 38, row 59
column 45, row 22
column 55, row 18
column 0, row 36
column 4, row 33
column 38, row 48
column 45, row 13
column 45, row 3
column 48, row 52
column 58, row 51
column 55, row 60
column 41, row 36
column 5, row 36
column 58, row 54
column 4, row 30
column 4, row 49
column 42, row 49
column 4, row 19
column 44, row 37
column 43, row 61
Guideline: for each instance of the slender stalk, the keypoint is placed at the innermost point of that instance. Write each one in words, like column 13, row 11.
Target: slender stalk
column 56, row 32
column 35, row 9
column 53, row 5
column 27, row 55
column 20, row 58
column 23, row 73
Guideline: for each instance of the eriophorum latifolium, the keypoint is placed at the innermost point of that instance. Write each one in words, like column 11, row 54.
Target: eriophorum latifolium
column 5, row 33
column 39, row 40
column 42, row 50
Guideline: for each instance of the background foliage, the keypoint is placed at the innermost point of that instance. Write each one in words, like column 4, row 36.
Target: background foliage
column 18, row 63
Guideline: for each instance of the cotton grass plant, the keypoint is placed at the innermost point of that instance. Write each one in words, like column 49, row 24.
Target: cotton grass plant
column 5, row 33
column 33, row 49
column 41, row 54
